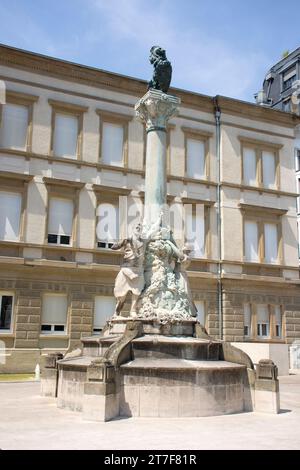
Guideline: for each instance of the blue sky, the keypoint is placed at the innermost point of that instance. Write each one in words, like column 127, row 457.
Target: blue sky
column 216, row 47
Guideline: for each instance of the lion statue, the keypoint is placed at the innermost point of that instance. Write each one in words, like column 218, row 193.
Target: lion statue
column 162, row 69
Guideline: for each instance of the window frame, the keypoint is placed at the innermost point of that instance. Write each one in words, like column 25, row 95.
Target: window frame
column 109, row 195
column 207, row 226
column 97, row 331
column 55, row 333
column 259, row 146
column 17, row 183
column 67, row 109
column 201, row 136
column 63, row 189
column 4, row 332
column 263, row 215
column 271, row 337
column 121, row 120
column 22, row 99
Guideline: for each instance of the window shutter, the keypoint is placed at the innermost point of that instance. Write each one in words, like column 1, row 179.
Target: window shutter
column 195, row 158
column 104, row 309
column 10, row 213
column 65, row 136
column 54, row 309
column 251, row 241
column 200, row 311
column 249, row 166
column 13, row 132
column 60, row 216
column 269, row 173
column 112, row 144
column 271, row 243
column 262, row 313
column 194, row 228
column 108, row 222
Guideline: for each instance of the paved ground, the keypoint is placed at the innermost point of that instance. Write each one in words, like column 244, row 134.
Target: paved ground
column 28, row 421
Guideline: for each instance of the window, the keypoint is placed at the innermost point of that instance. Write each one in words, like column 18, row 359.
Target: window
column 247, row 320
column 112, row 144
column 107, row 224
column 263, row 321
column 249, row 166
column 251, row 241
column 67, row 129
column 200, row 311
column 195, row 228
column 103, row 310
column 65, row 138
column 269, row 170
column 60, row 221
column 195, row 164
column 13, row 131
column 286, row 106
column 262, row 234
column 278, row 321
column 6, row 308
column 271, row 243
column 10, row 215
column 260, row 163
column 113, row 138
column 54, row 314
column 288, row 78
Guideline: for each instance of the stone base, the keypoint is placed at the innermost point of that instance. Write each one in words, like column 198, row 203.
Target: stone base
column 155, row 375
column 180, row 388
column 277, row 352
column 266, row 401
column 49, row 383
column 152, row 327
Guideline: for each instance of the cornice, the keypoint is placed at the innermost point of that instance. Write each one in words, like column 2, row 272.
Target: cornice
column 69, row 71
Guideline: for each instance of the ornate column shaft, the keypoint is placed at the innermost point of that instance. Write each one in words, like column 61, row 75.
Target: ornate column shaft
column 154, row 110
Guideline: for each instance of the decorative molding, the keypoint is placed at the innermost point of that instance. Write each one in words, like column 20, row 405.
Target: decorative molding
column 66, row 183
column 16, row 176
column 68, row 107
column 111, row 189
column 72, row 72
column 262, row 209
column 259, row 189
column 110, row 116
column 261, row 143
column 198, row 133
column 13, row 96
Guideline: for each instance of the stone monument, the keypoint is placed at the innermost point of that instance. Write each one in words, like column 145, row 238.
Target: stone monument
column 159, row 360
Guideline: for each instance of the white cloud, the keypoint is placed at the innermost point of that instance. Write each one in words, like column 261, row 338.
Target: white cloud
column 201, row 61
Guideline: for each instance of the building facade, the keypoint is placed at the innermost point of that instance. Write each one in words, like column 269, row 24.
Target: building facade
column 71, row 150
column 281, row 90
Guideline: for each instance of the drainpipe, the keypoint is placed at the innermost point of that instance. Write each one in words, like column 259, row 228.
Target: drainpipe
column 219, row 220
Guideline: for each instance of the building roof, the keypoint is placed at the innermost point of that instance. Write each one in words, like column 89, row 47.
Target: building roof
column 70, row 71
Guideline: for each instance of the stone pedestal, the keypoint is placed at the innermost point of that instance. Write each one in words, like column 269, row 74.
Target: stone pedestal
column 266, row 396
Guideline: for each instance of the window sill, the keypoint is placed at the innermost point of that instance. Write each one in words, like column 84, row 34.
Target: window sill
column 264, row 340
column 4, row 334
column 53, row 336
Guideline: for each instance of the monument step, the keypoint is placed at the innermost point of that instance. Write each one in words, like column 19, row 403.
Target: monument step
column 160, row 347
column 97, row 345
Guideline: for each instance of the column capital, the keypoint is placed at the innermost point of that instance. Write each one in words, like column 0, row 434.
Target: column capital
column 155, row 108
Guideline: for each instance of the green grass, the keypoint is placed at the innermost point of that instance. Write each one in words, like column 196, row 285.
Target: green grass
column 16, row 377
